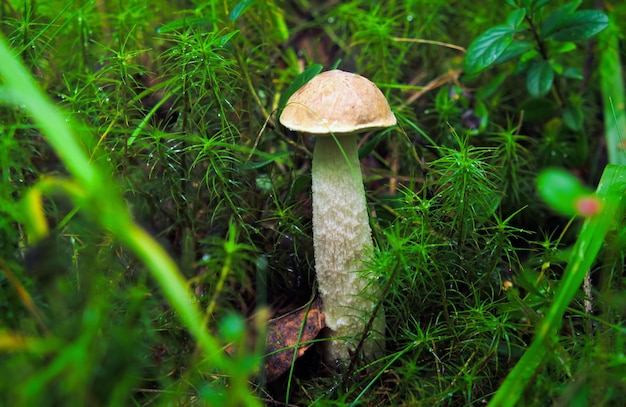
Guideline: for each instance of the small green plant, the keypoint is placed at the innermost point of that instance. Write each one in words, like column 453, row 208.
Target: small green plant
column 86, row 191
column 536, row 36
column 536, row 43
column 565, row 194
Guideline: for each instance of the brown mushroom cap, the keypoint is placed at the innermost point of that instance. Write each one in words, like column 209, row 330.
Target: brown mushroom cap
column 337, row 102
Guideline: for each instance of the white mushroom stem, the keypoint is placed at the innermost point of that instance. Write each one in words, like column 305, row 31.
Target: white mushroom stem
column 342, row 242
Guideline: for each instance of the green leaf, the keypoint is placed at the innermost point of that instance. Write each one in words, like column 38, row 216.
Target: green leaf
column 240, row 8
column 232, row 327
column 527, row 58
column 485, row 50
column 560, row 190
column 534, row 5
column 556, row 67
column 297, row 83
column 540, row 78
column 573, row 73
column 556, row 18
column 564, row 47
column 515, row 17
column 573, row 118
column 514, row 50
column 581, row 25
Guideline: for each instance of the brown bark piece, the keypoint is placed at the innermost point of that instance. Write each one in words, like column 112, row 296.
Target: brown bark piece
column 283, row 333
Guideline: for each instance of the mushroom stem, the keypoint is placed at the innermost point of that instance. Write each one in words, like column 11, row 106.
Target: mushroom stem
column 343, row 241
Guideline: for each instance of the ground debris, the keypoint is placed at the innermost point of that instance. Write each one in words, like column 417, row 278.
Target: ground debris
column 283, row 333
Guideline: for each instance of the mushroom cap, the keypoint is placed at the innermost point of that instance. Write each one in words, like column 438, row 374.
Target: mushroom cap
column 337, row 102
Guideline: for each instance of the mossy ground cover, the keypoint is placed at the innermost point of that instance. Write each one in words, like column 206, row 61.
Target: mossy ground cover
column 155, row 217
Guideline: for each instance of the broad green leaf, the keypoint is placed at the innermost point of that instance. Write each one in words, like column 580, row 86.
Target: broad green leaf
column 540, row 78
column 515, row 17
column 564, row 47
column 534, row 5
column 528, row 57
column 514, row 50
column 573, row 73
column 557, row 67
column 297, row 83
column 581, row 25
column 573, row 118
column 556, row 18
column 485, row 50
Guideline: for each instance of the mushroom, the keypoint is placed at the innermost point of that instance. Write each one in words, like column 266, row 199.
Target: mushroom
column 335, row 106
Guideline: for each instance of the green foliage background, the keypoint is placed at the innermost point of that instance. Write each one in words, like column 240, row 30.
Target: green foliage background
column 154, row 214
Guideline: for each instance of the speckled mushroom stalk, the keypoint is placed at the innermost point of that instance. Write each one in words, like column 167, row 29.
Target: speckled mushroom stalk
column 335, row 106
column 342, row 239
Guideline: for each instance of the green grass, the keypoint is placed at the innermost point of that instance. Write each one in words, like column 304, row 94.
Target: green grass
column 155, row 218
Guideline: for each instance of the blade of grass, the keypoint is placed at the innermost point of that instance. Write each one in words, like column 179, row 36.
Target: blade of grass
column 592, row 234
column 612, row 84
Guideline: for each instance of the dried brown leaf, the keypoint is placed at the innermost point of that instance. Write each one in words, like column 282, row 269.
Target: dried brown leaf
column 288, row 332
